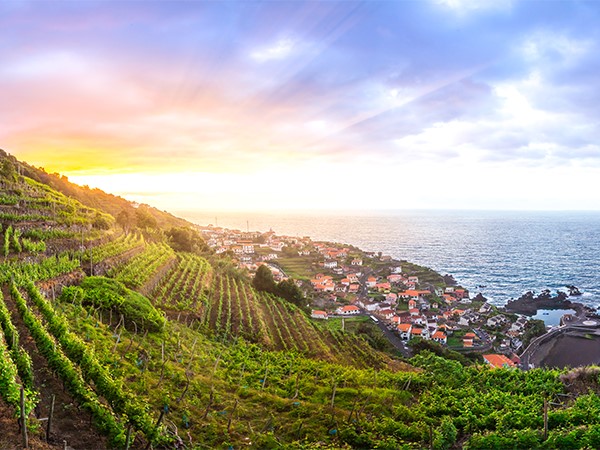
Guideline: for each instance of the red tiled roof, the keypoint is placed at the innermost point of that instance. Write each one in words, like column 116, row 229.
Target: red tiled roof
column 498, row 361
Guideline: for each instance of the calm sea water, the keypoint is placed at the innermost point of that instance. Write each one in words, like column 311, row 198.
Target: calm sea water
column 506, row 253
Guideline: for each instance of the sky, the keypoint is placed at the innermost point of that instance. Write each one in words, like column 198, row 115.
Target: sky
column 321, row 105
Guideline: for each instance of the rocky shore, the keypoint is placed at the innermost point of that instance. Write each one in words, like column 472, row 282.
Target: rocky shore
column 529, row 303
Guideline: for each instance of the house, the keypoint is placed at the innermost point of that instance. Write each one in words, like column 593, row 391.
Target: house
column 412, row 304
column 413, row 279
column 391, row 297
column 247, row 246
column 498, row 361
column 353, row 277
column 348, row 310
column 371, row 282
column 439, row 337
column 357, row 262
column 340, row 288
column 353, row 288
column 386, row 313
column 485, row 308
column 383, row 287
column 396, row 320
column 467, row 343
column 304, row 253
column 404, row 329
column 460, row 293
column 449, row 299
column 395, row 278
column 316, row 314
column 345, row 281
column 367, row 305
column 419, row 332
column 321, row 279
column 496, row 321
column 414, row 294
column 330, row 264
column 414, row 312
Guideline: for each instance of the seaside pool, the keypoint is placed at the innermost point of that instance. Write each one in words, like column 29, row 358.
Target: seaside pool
column 552, row 316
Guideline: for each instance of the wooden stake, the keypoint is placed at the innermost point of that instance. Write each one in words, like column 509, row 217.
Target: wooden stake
column 50, row 416
column 231, row 415
column 265, row 378
column 297, row 385
column 545, row 419
column 333, row 396
column 23, row 420
column 128, row 438
column 160, row 418
column 210, row 402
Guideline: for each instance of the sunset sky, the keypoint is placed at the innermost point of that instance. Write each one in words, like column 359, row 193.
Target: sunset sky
column 468, row 104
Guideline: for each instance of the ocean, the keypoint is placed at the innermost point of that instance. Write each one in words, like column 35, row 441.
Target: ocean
column 500, row 254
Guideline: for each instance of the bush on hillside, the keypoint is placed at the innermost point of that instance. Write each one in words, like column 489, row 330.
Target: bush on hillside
column 109, row 294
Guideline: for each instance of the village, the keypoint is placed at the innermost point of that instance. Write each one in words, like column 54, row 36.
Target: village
column 414, row 302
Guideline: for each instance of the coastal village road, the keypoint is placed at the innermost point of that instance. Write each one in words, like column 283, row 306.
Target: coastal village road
column 394, row 339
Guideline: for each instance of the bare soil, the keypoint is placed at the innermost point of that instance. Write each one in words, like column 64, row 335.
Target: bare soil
column 69, row 423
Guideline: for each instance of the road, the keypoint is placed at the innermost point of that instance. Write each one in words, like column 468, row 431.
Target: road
column 395, row 340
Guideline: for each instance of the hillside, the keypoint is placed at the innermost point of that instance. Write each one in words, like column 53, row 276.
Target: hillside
column 143, row 336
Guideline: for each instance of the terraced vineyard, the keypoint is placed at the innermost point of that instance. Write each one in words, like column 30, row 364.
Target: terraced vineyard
column 140, row 269
column 185, row 286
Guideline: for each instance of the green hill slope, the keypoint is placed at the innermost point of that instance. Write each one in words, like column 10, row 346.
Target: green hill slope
column 141, row 344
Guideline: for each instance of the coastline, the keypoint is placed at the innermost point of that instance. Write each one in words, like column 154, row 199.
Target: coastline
column 384, row 287
column 500, row 254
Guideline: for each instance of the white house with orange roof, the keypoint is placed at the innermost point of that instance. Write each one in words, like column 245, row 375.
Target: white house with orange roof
column 396, row 320
column 371, row 282
column 412, row 304
column 404, row 329
column 348, row 310
column 317, row 314
column 414, row 294
column 419, row 332
column 353, row 277
column 498, row 361
column 440, row 337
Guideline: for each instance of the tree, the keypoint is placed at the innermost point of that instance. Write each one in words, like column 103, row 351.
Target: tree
column 144, row 219
column 7, row 169
column 263, row 280
column 186, row 240
column 125, row 220
column 101, row 222
column 288, row 290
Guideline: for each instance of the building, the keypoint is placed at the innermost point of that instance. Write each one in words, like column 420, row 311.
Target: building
column 498, row 361
column 348, row 310
column 316, row 314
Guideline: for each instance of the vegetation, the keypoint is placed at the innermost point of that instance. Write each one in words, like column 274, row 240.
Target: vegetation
column 175, row 347
column 111, row 295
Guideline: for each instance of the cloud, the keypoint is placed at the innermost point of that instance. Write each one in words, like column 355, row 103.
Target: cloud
column 280, row 50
